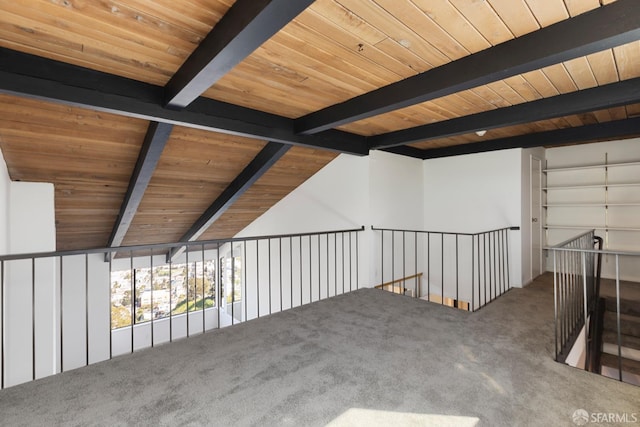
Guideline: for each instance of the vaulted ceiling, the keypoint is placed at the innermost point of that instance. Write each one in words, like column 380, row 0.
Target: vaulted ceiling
column 163, row 120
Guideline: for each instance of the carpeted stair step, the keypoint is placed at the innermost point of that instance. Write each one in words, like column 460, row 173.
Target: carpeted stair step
column 628, row 341
column 627, row 353
column 629, row 325
column 628, row 365
column 627, row 306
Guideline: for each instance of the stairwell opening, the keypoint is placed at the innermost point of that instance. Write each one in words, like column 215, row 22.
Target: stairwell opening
column 597, row 321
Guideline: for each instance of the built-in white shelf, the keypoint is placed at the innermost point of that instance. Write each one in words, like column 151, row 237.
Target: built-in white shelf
column 589, row 205
column 589, row 227
column 578, row 187
column 597, row 166
column 595, row 206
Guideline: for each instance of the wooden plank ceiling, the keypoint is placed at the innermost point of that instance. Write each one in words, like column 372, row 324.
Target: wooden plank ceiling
column 332, row 52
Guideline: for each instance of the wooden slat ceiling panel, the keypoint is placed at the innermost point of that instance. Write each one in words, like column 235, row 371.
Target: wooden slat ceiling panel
column 333, row 51
column 627, row 60
column 576, row 7
column 328, row 59
column 87, row 155
column 138, row 39
column 601, row 116
column 195, row 167
column 294, row 168
column 598, row 69
column 339, row 49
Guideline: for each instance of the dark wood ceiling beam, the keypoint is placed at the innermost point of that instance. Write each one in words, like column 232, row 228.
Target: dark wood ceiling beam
column 246, row 26
column 267, row 157
column 154, row 142
column 405, row 150
column 598, row 98
column 626, row 128
column 608, row 26
column 30, row 76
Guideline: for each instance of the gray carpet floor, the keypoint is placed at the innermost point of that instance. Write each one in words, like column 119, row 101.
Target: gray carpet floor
column 364, row 358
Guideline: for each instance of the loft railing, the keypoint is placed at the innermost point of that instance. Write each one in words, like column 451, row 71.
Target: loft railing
column 463, row 270
column 64, row 310
column 576, row 267
column 574, row 282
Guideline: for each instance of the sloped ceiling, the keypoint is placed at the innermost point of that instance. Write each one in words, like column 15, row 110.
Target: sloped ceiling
column 162, row 121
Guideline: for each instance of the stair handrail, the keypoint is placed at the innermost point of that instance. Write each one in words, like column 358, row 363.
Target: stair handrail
column 596, row 317
column 591, row 362
column 574, row 286
column 417, row 276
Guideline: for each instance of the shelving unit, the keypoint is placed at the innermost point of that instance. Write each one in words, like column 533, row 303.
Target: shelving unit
column 597, row 166
column 594, row 196
column 589, row 227
column 577, row 187
column 569, row 205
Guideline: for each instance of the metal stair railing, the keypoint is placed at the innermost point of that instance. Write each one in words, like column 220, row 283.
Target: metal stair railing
column 577, row 298
column 574, row 287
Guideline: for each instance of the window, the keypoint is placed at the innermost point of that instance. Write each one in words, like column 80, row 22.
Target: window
column 231, row 271
column 161, row 291
column 120, row 299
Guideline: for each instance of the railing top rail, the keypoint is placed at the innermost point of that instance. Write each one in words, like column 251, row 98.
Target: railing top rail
column 166, row 246
column 445, row 232
column 402, row 279
column 566, row 242
column 593, row 251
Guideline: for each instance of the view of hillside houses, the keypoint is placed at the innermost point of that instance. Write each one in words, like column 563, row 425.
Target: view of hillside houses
column 171, row 289
column 160, row 291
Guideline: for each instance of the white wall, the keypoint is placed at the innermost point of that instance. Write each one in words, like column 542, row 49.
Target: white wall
column 85, row 305
column 396, row 191
column 474, row 193
column 32, row 218
column 31, row 215
column 396, row 202
column 334, row 198
column 29, row 209
column 383, row 190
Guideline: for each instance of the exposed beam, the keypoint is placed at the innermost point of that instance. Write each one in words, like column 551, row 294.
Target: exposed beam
column 267, row 157
column 246, row 26
column 594, row 31
column 598, row 98
column 405, row 150
column 154, row 142
column 601, row 131
column 40, row 78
